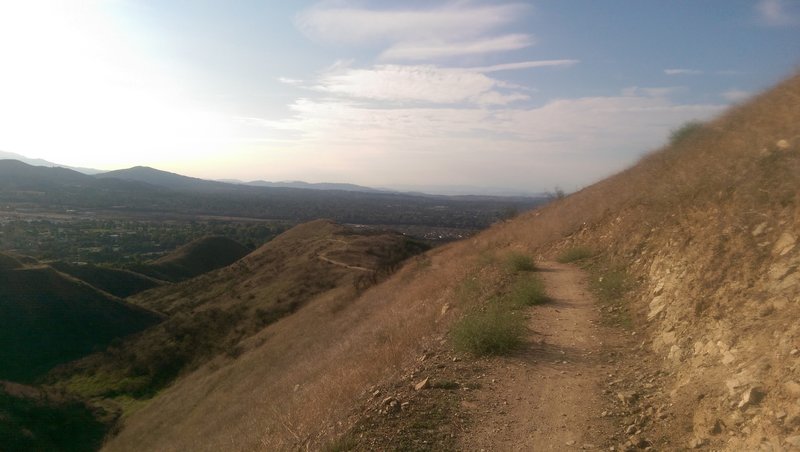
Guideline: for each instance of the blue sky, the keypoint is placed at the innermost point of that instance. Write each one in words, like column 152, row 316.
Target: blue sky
column 519, row 95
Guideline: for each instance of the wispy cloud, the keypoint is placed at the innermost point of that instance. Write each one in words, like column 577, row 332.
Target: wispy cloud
column 431, row 50
column 526, row 65
column 458, row 144
column 778, row 13
column 427, row 84
column 454, row 29
column 683, row 71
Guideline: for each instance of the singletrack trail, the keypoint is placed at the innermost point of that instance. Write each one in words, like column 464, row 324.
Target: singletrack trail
column 549, row 395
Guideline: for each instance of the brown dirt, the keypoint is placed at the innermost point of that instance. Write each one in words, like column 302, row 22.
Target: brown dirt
column 549, row 395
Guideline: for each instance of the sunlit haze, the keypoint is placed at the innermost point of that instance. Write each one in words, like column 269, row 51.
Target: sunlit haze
column 524, row 96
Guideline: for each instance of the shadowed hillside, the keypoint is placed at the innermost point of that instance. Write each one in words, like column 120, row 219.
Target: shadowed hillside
column 48, row 318
column 195, row 258
column 700, row 237
column 117, row 282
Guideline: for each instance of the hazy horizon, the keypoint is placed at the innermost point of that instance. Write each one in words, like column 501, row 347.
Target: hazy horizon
column 514, row 96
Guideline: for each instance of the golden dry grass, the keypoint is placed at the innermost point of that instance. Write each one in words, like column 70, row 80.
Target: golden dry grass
column 300, row 376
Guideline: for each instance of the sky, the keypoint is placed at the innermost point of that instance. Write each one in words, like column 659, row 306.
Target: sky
column 523, row 96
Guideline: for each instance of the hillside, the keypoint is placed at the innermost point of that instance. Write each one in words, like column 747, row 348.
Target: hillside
column 211, row 318
column 48, row 318
column 117, row 282
column 694, row 248
column 195, row 258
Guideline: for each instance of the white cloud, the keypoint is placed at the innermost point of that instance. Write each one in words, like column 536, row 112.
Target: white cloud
column 458, row 20
column 525, row 65
column 736, row 95
column 778, row 13
column 431, row 50
column 454, row 29
column 566, row 142
column 427, row 84
column 682, row 72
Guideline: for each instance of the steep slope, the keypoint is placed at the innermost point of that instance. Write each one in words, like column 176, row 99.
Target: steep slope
column 48, row 318
column 195, row 258
column 702, row 233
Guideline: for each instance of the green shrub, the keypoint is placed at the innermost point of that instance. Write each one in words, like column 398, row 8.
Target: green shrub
column 494, row 331
column 685, row 131
column 518, row 262
column 575, row 254
column 528, row 292
column 611, row 286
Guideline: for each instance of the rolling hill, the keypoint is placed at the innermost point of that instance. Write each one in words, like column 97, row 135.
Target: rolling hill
column 698, row 238
column 210, row 318
column 48, row 318
column 194, row 259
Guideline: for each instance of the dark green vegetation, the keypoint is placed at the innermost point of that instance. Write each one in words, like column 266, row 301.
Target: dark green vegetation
column 48, row 318
column 118, row 282
column 32, row 420
column 518, row 262
column 119, row 241
column 576, row 253
column 194, row 259
column 494, row 330
column 496, row 326
column 685, row 131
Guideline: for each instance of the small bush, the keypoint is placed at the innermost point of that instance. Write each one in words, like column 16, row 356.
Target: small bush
column 611, row 286
column 575, row 254
column 343, row 444
column 685, row 131
column 518, row 262
column 528, row 292
column 495, row 331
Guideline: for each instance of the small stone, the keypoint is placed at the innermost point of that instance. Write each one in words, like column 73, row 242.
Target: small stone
column 456, row 359
column 570, row 443
column 376, row 393
column 782, row 145
column 751, row 397
column 794, row 352
column 631, row 430
column 716, row 429
column 784, row 244
column 388, row 400
column 759, row 230
column 424, row 384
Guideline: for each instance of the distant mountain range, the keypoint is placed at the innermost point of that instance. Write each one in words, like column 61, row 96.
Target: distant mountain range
column 148, row 190
column 40, row 162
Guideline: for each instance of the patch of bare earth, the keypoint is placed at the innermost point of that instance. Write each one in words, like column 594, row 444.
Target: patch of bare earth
column 578, row 382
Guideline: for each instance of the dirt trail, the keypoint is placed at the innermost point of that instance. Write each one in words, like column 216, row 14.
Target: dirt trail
column 549, row 396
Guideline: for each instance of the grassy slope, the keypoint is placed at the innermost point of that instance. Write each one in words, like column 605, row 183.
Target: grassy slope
column 209, row 316
column 47, row 318
column 685, row 222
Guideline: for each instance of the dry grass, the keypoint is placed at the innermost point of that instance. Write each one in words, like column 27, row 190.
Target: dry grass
column 301, row 375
